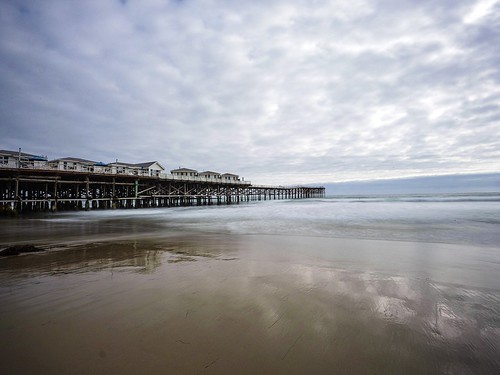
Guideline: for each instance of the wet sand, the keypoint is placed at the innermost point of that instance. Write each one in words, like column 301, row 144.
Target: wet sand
column 246, row 304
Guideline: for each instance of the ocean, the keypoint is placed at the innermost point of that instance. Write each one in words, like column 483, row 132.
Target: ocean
column 471, row 219
column 345, row 284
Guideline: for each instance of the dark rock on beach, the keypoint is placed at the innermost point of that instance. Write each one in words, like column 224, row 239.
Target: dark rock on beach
column 19, row 249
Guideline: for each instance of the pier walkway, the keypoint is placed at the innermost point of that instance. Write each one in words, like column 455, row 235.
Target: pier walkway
column 32, row 190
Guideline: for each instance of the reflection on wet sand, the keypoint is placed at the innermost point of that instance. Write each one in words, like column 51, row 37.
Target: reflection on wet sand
column 236, row 304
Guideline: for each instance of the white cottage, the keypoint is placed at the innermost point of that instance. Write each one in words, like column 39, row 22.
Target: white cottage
column 101, row 167
column 17, row 159
column 184, row 172
column 152, row 168
column 123, row 168
column 73, row 164
column 229, row 177
column 210, row 175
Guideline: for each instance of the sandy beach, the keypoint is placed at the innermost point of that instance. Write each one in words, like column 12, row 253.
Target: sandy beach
column 226, row 304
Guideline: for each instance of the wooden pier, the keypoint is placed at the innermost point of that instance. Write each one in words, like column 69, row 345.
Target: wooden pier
column 33, row 190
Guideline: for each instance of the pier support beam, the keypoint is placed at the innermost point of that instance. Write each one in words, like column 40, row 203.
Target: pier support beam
column 32, row 190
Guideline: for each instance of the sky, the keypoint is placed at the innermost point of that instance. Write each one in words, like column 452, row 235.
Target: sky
column 279, row 92
column 442, row 184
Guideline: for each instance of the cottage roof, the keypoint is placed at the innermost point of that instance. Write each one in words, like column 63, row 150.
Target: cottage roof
column 183, row 170
column 23, row 154
column 210, row 172
column 6, row 152
column 230, row 174
column 149, row 164
column 13, row 153
column 122, row 164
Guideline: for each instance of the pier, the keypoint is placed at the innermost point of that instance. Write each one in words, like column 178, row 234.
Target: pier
column 35, row 190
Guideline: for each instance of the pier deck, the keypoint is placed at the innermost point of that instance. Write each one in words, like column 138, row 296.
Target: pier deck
column 31, row 190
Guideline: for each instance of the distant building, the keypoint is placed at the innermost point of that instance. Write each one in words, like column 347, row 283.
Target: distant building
column 151, row 168
column 75, row 165
column 230, row 177
column 101, row 167
column 210, row 175
column 184, row 172
column 16, row 159
column 122, row 168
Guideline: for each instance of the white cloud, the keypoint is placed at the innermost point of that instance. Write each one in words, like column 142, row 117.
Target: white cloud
column 479, row 10
column 273, row 90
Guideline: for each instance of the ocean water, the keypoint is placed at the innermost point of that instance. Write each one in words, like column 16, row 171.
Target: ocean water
column 469, row 219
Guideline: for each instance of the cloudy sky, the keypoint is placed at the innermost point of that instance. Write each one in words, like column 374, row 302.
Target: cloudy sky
column 278, row 91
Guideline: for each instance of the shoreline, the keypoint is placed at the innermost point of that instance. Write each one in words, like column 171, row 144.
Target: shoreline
column 436, row 259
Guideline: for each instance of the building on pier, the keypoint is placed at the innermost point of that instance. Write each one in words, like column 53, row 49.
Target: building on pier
column 101, row 167
column 230, row 177
column 18, row 159
column 77, row 165
column 151, row 169
column 210, row 175
column 184, row 172
column 121, row 168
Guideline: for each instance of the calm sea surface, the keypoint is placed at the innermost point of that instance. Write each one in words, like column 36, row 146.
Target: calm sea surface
column 453, row 219
column 351, row 284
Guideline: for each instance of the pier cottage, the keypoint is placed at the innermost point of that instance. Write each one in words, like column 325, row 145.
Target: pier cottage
column 210, row 175
column 9, row 159
column 101, row 167
column 73, row 164
column 152, row 168
column 184, row 172
column 17, row 159
column 123, row 168
column 230, row 177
